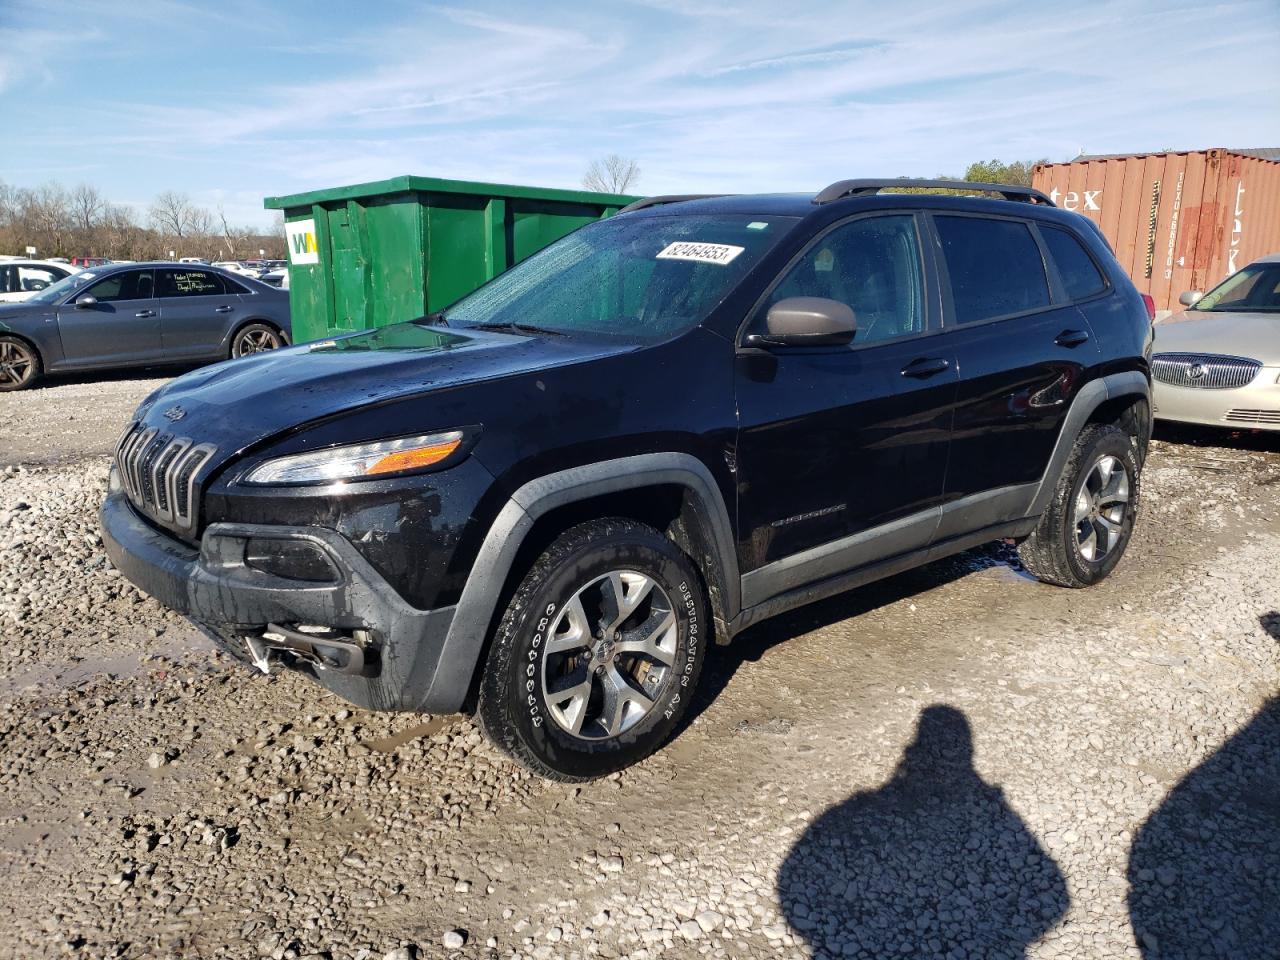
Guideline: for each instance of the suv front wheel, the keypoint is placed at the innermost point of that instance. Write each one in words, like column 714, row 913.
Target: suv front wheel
column 597, row 657
column 1087, row 526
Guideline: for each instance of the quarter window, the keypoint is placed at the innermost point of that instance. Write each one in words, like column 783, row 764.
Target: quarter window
column 1080, row 275
column 873, row 265
column 189, row 283
column 127, row 285
column 994, row 266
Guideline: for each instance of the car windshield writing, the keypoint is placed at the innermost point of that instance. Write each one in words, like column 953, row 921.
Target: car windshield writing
column 642, row 277
column 1256, row 288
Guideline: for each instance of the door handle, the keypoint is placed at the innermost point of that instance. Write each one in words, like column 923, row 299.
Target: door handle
column 1071, row 338
column 145, row 313
column 223, row 309
column 925, row 367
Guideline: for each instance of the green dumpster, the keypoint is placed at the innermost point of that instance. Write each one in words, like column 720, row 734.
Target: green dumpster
column 377, row 253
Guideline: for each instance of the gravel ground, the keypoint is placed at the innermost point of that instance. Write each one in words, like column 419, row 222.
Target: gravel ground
column 957, row 762
column 65, row 418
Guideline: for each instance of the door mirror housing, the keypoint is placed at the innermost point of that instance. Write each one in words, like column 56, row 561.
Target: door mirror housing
column 87, row 302
column 806, row 322
column 1191, row 298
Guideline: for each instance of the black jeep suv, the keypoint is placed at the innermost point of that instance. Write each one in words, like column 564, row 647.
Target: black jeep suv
column 544, row 502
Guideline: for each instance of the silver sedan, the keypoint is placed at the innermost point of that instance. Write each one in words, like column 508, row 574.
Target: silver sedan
column 139, row 314
column 1218, row 362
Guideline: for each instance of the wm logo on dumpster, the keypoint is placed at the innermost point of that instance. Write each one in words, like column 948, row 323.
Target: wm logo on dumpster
column 301, row 238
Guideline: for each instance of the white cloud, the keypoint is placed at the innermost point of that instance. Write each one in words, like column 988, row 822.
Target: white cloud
column 707, row 96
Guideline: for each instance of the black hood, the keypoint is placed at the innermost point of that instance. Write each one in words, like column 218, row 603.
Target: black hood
column 236, row 404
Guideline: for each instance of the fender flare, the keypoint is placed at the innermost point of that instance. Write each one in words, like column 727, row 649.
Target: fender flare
column 1091, row 396
column 467, row 633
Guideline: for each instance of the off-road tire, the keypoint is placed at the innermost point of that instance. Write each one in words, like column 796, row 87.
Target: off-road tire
column 246, row 340
column 11, row 347
column 1050, row 553
column 512, row 709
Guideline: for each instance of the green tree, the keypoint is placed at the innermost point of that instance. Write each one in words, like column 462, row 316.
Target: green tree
column 997, row 171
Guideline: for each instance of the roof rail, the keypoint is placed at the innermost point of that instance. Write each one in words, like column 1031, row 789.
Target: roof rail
column 669, row 198
column 843, row 189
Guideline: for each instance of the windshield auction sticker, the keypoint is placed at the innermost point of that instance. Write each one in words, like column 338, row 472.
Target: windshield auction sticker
column 719, row 253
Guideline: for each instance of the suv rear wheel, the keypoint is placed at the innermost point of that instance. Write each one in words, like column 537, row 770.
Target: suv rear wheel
column 1086, row 529
column 597, row 656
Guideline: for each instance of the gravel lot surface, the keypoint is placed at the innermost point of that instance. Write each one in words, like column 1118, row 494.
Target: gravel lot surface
column 957, row 762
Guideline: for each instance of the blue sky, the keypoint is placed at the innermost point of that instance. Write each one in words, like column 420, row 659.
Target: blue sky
column 231, row 101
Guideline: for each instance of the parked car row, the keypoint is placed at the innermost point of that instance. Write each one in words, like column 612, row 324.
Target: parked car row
column 138, row 315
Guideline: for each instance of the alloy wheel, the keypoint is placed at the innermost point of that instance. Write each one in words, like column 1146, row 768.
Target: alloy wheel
column 1100, row 510
column 256, row 341
column 610, row 653
column 16, row 363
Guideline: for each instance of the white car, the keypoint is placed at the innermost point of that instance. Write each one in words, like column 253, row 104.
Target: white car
column 20, row 279
column 235, row 267
column 277, row 278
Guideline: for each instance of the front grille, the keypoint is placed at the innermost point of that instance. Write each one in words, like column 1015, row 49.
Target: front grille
column 158, row 471
column 1204, row 371
column 1253, row 416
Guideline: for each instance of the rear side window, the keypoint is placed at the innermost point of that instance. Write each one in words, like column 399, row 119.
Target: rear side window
column 189, row 283
column 1080, row 275
column 994, row 265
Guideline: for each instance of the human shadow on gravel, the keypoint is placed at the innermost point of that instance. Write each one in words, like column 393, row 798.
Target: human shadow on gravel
column 1204, row 869
column 932, row 864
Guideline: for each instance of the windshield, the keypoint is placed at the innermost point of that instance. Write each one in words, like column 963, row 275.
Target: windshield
column 642, row 278
column 1256, row 288
column 56, row 291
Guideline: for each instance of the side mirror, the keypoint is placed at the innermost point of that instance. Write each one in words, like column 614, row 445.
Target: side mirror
column 806, row 322
column 1191, row 298
column 87, row 302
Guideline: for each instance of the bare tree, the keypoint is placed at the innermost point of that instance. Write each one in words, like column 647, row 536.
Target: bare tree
column 122, row 237
column 87, row 207
column 8, row 204
column 232, row 237
column 613, row 174
column 171, row 214
column 45, row 214
column 61, row 223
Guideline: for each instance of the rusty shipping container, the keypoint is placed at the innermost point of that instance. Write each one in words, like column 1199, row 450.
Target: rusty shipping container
column 1178, row 221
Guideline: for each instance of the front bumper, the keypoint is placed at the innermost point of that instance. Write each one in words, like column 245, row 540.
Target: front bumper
column 1255, row 406
column 229, row 600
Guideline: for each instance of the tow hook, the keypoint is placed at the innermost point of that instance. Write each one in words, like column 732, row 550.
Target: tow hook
column 321, row 647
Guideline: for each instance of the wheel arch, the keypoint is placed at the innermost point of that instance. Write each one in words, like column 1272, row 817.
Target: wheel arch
column 674, row 492
column 1123, row 398
column 29, row 341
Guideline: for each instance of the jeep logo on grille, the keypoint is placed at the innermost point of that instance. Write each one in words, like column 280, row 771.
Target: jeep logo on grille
column 174, row 414
column 1195, row 372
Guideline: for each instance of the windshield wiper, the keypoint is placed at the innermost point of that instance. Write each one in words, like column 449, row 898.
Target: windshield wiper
column 515, row 328
column 436, row 319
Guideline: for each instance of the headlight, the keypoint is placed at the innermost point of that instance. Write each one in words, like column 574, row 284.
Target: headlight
column 359, row 461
